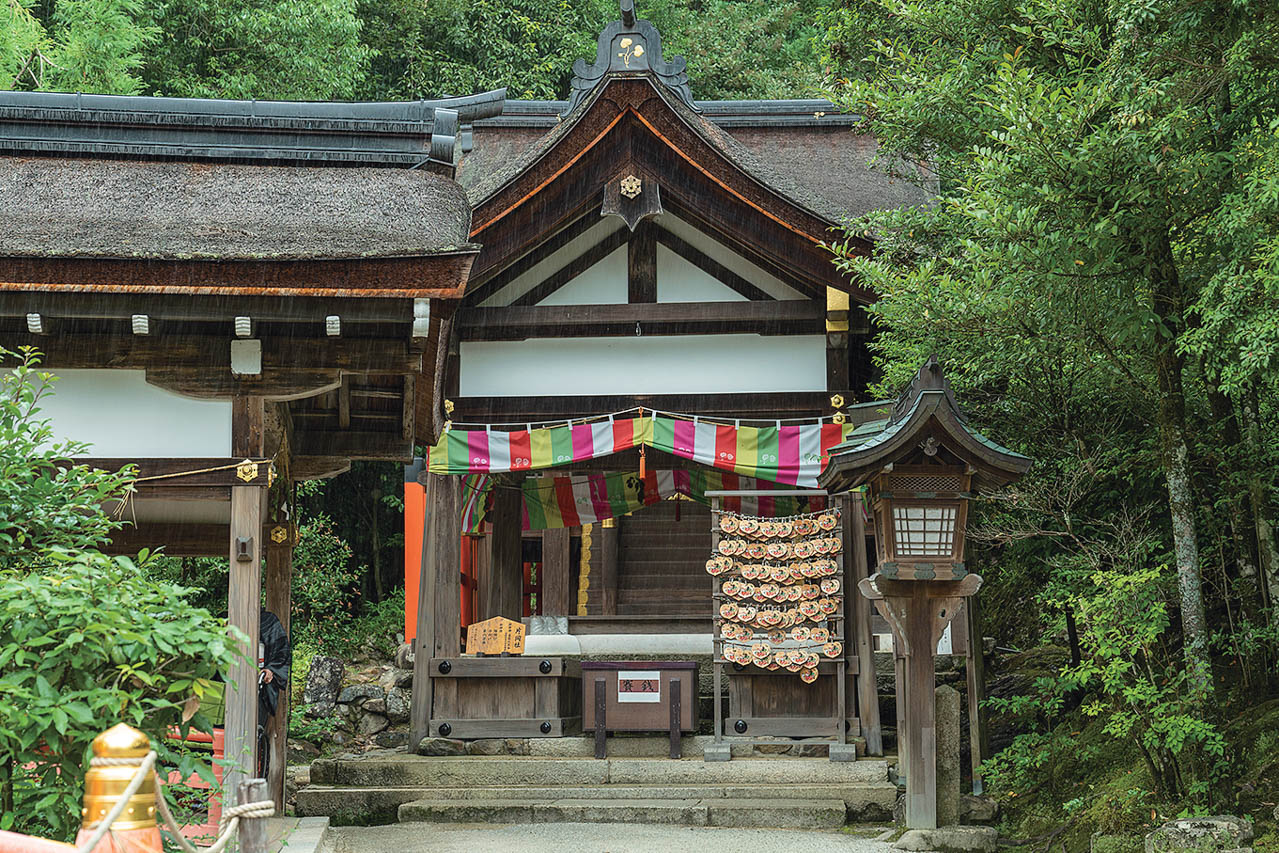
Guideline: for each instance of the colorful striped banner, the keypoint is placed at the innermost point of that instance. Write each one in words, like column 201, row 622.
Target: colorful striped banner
column 789, row 455
column 571, row 501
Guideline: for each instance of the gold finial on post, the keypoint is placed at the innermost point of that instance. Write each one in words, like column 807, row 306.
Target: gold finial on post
column 119, row 754
column 104, row 784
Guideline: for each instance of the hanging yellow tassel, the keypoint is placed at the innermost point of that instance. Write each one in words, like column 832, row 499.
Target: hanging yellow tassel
column 643, row 464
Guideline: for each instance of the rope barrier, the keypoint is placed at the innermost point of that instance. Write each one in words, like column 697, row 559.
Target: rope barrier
column 227, row 827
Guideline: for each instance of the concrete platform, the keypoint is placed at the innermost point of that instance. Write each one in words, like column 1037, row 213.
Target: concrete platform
column 771, row 812
column 770, row 791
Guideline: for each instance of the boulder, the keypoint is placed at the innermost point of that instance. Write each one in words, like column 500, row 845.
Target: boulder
column 393, row 678
column 1200, row 834
column 302, row 751
column 977, row 809
column 404, row 656
column 357, row 692
column 498, row 746
column 371, row 724
column 440, row 746
column 320, row 709
column 397, row 704
column 323, row 681
column 391, row 740
column 950, row 839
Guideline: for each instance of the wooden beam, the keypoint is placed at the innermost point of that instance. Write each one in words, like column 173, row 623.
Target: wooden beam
column 318, row 467
column 608, row 542
column 344, row 403
column 641, row 264
column 512, row 323
column 557, row 573
column 502, row 586
column 784, row 404
column 446, row 569
column 178, row 540
column 491, row 281
column 861, row 644
column 424, row 639
column 244, row 594
column 575, row 267
column 210, row 352
column 440, row 276
column 158, row 473
column 203, row 309
column 354, row 444
column 711, row 267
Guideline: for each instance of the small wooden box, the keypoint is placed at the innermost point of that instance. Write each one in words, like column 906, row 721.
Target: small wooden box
column 637, row 694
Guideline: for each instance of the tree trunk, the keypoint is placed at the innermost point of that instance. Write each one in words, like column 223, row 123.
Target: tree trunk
column 1168, row 305
column 1267, row 550
column 1224, row 413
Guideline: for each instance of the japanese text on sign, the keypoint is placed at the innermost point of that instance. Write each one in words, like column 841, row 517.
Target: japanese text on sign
column 639, row 686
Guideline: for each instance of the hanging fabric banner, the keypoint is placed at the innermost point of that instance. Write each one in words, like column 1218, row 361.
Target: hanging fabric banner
column 789, row 455
column 571, row 501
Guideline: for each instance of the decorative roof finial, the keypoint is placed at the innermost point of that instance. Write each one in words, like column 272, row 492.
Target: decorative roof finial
column 629, row 45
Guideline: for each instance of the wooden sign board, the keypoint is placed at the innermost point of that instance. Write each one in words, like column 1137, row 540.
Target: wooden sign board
column 495, row 636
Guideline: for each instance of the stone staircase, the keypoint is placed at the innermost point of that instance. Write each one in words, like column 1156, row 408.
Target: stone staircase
column 635, row 787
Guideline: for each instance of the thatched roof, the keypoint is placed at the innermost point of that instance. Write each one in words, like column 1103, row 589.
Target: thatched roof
column 73, row 207
column 803, row 149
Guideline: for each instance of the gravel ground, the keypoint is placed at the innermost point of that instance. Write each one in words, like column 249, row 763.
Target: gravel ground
column 592, row 838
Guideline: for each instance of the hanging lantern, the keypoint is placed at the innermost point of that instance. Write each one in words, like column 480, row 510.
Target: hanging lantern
column 919, row 515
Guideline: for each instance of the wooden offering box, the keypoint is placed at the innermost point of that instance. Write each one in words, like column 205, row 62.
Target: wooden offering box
column 639, row 696
column 492, row 697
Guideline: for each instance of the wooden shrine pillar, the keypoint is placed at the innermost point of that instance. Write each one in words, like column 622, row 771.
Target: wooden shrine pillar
column 609, row 533
column 281, row 537
column 919, row 612
column 439, row 600
column 501, row 584
column 557, row 574
column 244, row 594
column 867, row 687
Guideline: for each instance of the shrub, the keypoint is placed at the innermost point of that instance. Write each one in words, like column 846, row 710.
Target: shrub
column 86, row 642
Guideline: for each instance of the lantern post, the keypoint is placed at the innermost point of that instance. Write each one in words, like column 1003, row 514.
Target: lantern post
column 920, row 470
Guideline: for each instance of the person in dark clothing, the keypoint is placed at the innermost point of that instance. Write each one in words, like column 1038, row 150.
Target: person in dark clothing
column 276, row 655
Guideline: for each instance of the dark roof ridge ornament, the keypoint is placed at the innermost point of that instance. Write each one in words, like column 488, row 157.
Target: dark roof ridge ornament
column 929, row 377
column 629, row 45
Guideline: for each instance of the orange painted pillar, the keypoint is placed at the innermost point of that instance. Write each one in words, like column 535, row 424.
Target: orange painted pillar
column 414, row 528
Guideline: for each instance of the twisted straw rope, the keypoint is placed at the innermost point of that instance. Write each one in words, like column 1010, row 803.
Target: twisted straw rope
column 227, row 827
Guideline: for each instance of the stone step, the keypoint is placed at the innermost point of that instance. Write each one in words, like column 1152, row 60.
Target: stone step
column 775, row 813
column 862, row 801
column 401, row 770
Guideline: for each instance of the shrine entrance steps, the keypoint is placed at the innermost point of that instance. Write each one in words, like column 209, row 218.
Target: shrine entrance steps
column 754, row 791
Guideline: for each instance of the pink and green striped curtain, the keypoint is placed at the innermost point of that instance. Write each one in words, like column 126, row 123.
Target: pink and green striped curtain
column 571, row 501
column 788, row 454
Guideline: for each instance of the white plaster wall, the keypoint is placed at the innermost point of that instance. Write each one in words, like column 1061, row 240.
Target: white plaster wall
column 693, row 364
column 680, row 281
column 677, row 280
column 120, row 415
column 766, row 282
column 603, row 284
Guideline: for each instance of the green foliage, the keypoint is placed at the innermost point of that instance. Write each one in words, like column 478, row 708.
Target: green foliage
column 87, row 642
column 45, row 502
column 324, row 585
column 292, row 49
column 99, row 46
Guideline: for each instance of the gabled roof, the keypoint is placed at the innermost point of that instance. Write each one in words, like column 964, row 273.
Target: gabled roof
column 925, row 411
column 634, row 122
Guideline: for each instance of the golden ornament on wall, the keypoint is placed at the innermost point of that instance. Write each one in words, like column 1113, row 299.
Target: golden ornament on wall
column 247, row 470
column 839, row 417
column 630, row 50
column 837, row 401
column 279, row 534
column 631, row 186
